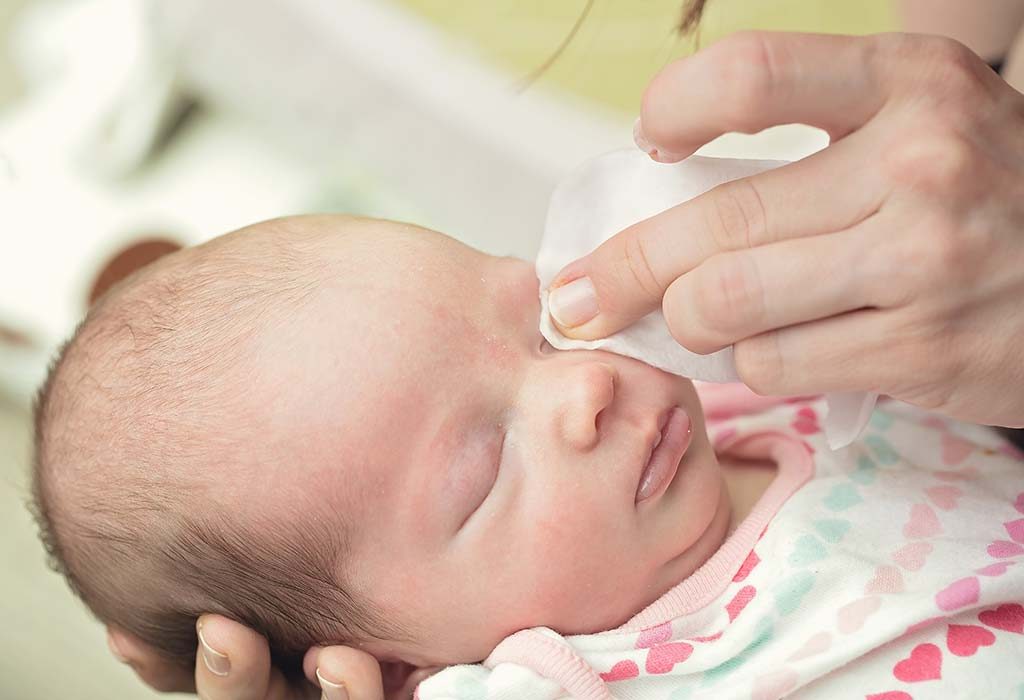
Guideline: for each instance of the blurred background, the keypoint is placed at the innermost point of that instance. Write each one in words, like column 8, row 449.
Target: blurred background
column 129, row 128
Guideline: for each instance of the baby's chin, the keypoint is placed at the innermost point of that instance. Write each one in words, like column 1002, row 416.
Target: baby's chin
column 688, row 562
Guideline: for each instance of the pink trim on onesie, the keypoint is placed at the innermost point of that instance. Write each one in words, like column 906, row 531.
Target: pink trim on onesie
column 553, row 658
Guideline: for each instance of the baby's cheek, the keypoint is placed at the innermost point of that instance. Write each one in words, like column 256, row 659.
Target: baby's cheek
column 582, row 572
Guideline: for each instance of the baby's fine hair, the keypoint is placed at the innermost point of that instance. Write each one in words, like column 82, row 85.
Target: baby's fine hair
column 131, row 427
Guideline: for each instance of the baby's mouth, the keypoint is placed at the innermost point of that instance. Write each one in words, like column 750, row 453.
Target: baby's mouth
column 668, row 448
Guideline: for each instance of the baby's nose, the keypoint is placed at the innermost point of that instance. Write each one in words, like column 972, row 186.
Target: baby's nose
column 589, row 391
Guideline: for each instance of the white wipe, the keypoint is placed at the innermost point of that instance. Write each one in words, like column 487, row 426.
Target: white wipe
column 619, row 189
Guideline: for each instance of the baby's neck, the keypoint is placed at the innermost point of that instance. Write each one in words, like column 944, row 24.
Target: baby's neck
column 746, row 481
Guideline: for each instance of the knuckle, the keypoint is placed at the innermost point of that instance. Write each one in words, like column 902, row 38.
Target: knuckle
column 734, row 297
column 759, row 363
column 641, row 275
column 722, row 296
column 937, row 160
column 948, row 71
column 736, row 217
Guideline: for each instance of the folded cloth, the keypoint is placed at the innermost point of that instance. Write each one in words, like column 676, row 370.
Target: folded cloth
column 617, row 190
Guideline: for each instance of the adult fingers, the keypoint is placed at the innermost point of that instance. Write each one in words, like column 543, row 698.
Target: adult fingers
column 848, row 352
column 344, row 673
column 740, row 294
column 233, row 663
column 628, row 274
column 752, row 80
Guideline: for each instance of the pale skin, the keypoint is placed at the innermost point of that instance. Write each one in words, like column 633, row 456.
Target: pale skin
column 935, row 222
column 487, row 469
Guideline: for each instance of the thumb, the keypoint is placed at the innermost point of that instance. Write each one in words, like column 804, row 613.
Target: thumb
column 344, row 673
column 621, row 281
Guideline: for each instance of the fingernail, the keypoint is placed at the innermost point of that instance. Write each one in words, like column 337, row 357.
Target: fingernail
column 642, row 142
column 640, row 139
column 573, row 304
column 331, row 691
column 218, row 663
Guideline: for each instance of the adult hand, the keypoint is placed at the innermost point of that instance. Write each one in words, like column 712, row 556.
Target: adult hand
column 891, row 261
column 233, row 663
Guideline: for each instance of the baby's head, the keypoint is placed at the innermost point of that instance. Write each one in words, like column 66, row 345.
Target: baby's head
column 341, row 430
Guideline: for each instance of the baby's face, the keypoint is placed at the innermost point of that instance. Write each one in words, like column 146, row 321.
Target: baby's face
column 493, row 480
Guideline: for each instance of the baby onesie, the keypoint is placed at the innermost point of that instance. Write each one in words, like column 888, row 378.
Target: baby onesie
column 892, row 569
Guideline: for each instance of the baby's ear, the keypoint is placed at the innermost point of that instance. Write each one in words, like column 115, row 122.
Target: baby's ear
column 149, row 665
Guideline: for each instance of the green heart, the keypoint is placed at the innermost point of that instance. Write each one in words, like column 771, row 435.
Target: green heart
column 880, row 421
column 884, row 452
column 832, row 530
column 842, row 496
column 865, row 472
column 806, row 551
column 792, row 591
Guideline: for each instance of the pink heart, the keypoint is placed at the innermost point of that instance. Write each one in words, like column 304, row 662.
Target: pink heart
column 923, row 664
column 622, row 671
column 1001, row 549
column 944, row 497
column 774, row 685
column 1019, row 503
column 806, row 421
column 890, row 695
column 815, row 645
column 923, row 522
column 955, row 449
column 912, row 556
column 739, row 601
column 662, row 658
column 959, row 594
column 747, row 566
column 654, row 635
column 1009, row 617
column 964, row 640
column 888, row 579
column 852, row 615
column 997, row 569
column 1015, row 528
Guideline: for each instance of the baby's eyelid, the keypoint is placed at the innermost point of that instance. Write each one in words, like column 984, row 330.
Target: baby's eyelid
column 496, row 470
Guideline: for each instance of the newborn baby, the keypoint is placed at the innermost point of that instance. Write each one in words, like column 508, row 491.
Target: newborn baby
column 339, row 430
